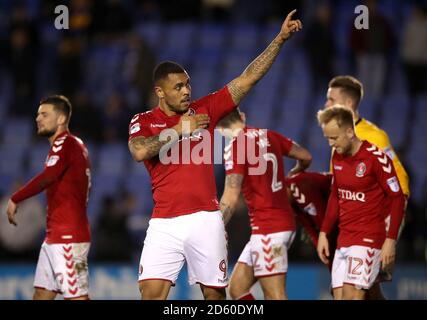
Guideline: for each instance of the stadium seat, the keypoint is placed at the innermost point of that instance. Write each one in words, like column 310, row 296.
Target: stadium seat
column 18, row 131
column 12, row 159
column 151, row 32
column 112, row 159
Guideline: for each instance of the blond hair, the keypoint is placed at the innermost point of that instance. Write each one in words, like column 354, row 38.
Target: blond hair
column 342, row 114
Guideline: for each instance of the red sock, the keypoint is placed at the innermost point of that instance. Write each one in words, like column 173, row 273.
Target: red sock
column 246, row 296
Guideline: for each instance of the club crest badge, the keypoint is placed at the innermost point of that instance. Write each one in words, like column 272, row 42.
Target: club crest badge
column 360, row 170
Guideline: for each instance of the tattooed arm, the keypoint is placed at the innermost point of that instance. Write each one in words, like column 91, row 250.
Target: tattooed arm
column 143, row 148
column 240, row 86
column 233, row 185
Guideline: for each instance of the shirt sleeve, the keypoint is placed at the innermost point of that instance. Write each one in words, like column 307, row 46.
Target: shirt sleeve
column 232, row 161
column 139, row 126
column 56, row 163
column 218, row 103
column 332, row 210
column 302, row 218
column 285, row 143
column 387, row 178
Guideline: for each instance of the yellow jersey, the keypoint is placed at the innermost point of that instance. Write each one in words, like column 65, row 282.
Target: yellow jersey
column 368, row 131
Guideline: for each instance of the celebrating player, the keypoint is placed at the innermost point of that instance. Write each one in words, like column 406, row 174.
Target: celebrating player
column 184, row 192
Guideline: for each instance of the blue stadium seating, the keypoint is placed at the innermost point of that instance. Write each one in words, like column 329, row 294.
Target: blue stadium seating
column 18, row 131
column 112, row 159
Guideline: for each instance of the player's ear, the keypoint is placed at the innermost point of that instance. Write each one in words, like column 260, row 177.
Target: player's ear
column 159, row 92
column 350, row 133
column 62, row 119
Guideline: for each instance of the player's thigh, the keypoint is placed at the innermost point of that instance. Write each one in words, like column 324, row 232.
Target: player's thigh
column 212, row 293
column 351, row 292
column 242, row 279
column 206, row 252
column 337, row 293
column 154, row 289
column 43, row 294
column 274, row 286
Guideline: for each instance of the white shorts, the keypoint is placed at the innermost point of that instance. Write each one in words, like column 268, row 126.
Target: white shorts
column 356, row 265
column 63, row 268
column 268, row 253
column 198, row 238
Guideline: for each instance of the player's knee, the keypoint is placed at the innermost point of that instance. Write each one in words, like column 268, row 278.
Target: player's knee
column 275, row 295
column 236, row 291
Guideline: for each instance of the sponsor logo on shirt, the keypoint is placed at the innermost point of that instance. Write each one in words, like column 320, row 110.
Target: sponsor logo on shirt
column 158, row 125
column 393, row 184
column 360, row 170
column 351, row 195
column 135, row 128
column 388, row 151
column 337, row 167
column 52, row 160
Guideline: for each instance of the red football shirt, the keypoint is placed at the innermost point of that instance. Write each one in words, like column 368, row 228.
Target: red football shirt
column 66, row 178
column 265, row 193
column 188, row 185
column 310, row 193
column 362, row 186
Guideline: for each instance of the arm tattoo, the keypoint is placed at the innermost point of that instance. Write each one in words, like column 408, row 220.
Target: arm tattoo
column 263, row 62
column 226, row 210
column 255, row 71
column 151, row 144
column 234, row 180
column 236, row 92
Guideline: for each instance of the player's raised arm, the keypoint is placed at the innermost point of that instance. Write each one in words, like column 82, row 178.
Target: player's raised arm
column 233, row 185
column 240, row 86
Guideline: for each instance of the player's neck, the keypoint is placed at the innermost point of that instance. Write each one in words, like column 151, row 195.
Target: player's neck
column 166, row 110
column 58, row 132
column 356, row 116
column 355, row 146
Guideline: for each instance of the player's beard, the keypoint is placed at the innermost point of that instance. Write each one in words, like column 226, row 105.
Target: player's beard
column 177, row 108
column 46, row 133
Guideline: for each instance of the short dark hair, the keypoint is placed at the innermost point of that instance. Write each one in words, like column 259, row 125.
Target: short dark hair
column 350, row 86
column 164, row 68
column 60, row 104
column 342, row 114
column 229, row 119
